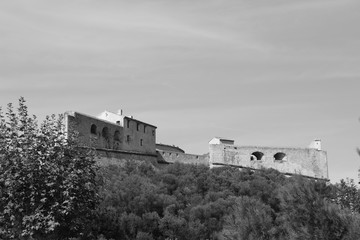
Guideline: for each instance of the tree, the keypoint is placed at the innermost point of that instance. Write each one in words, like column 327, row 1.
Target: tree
column 47, row 182
column 307, row 213
column 347, row 195
column 250, row 219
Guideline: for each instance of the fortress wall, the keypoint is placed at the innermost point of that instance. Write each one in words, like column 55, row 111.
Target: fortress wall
column 82, row 123
column 168, row 148
column 304, row 161
column 172, row 157
column 107, row 157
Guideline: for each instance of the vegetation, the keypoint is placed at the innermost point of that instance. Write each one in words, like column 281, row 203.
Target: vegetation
column 47, row 183
column 51, row 189
column 195, row 202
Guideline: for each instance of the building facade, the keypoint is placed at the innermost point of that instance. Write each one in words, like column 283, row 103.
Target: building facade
column 113, row 131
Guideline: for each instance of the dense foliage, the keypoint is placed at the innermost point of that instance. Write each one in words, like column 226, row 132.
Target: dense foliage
column 195, row 202
column 47, row 183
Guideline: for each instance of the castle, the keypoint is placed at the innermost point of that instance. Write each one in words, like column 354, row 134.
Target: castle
column 116, row 136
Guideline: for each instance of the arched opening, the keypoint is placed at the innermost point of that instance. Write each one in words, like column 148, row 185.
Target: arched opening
column 105, row 133
column 116, row 143
column 93, row 129
column 105, row 136
column 117, row 135
column 256, row 156
column 280, row 156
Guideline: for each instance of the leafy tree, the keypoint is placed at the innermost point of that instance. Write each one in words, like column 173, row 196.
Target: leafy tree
column 47, row 182
column 305, row 212
column 347, row 195
column 250, row 219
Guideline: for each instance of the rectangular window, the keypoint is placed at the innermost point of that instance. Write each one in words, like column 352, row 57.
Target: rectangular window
column 128, row 123
column 127, row 138
column 138, row 127
column 141, row 142
column 144, row 128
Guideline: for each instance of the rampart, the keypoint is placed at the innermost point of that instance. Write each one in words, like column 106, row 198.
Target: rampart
column 169, row 148
column 308, row 162
column 172, row 157
column 118, row 157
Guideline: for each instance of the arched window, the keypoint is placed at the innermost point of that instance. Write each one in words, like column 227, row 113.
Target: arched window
column 117, row 136
column 256, row 156
column 93, row 129
column 280, row 156
column 105, row 133
column 105, row 136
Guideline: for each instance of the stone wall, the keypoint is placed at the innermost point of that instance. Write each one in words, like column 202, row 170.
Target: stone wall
column 118, row 157
column 305, row 161
column 168, row 148
column 172, row 157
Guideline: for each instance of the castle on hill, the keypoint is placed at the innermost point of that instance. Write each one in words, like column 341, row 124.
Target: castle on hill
column 116, row 136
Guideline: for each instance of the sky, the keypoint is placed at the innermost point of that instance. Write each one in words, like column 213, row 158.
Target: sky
column 264, row 73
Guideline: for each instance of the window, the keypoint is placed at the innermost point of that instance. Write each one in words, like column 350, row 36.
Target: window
column 138, row 126
column 280, row 156
column 105, row 133
column 141, row 142
column 153, row 132
column 144, row 129
column 128, row 123
column 117, row 136
column 256, row 156
column 93, row 129
column 128, row 138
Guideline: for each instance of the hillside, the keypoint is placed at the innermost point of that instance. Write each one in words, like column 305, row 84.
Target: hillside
column 195, row 202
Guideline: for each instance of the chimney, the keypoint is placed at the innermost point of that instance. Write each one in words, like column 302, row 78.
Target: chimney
column 316, row 144
column 120, row 112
